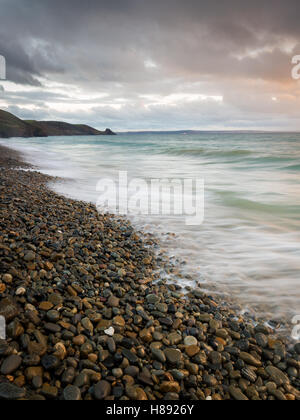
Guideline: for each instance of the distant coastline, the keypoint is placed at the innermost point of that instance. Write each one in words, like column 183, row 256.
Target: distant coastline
column 190, row 132
column 12, row 126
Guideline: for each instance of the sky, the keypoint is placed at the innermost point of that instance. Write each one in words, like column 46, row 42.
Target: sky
column 152, row 65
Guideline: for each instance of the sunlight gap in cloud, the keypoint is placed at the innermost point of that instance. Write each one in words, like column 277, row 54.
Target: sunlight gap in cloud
column 150, row 64
column 178, row 98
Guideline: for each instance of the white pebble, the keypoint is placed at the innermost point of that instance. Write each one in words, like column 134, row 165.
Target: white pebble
column 190, row 341
column 110, row 332
column 20, row 291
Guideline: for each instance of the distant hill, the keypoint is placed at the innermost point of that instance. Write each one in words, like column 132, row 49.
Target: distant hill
column 12, row 126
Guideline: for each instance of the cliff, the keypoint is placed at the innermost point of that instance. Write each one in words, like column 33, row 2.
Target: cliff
column 12, row 126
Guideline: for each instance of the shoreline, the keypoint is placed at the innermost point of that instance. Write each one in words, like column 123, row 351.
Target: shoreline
column 78, row 275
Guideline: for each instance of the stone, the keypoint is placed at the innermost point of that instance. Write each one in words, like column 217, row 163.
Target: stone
column 29, row 256
column 190, row 341
column 192, row 368
column 72, row 393
column 81, row 380
column 31, row 360
column 46, row 306
column 60, row 351
column 36, row 349
column 215, row 358
column 174, row 339
column 146, row 336
column 222, row 333
column 249, row 374
column 20, row 291
column 141, row 395
column 79, row 340
column 102, row 390
column 237, row 394
column 50, row 392
column 110, row 332
column 191, row 351
column 260, row 328
column 204, row 318
column 111, row 345
column 122, row 272
column 166, row 321
column 11, row 392
column 55, row 299
column 159, row 355
column 119, row 321
column 87, row 325
column 131, row 392
column 145, row 379
column 162, row 307
column 132, row 371
column 37, row 382
column 170, row 387
column 9, row 309
column 68, row 376
column 117, row 373
column 178, row 375
column 173, row 356
column 34, row 371
column 50, row 362
column 152, row 299
column 7, row 278
column 113, row 302
column 11, row 364
column 49, row 266
column 262, row 340
column 53, row 328
column 210, row 380
column 132, row 358
column 198, row 293
column 277, row 375
column 53, row 316
column 250, row 360
column 104, row 324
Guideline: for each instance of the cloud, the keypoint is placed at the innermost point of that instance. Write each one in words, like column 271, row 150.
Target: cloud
column 125, row 50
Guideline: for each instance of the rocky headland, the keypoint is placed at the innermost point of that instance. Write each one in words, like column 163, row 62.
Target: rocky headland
column 11, row 126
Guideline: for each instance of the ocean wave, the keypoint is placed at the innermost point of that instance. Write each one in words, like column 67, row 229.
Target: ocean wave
column 206, row 152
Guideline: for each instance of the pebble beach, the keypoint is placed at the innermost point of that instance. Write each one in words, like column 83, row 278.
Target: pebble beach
column 89, row 317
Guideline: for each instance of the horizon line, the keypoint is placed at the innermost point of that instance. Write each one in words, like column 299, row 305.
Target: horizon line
column 190, row 131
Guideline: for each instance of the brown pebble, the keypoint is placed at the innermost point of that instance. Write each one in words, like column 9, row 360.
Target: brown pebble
column 170, row 387
column 46, row 306
column 191, row 351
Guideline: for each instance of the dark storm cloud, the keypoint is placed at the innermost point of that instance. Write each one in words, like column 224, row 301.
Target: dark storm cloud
column 129, row 48
column 116, row 36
